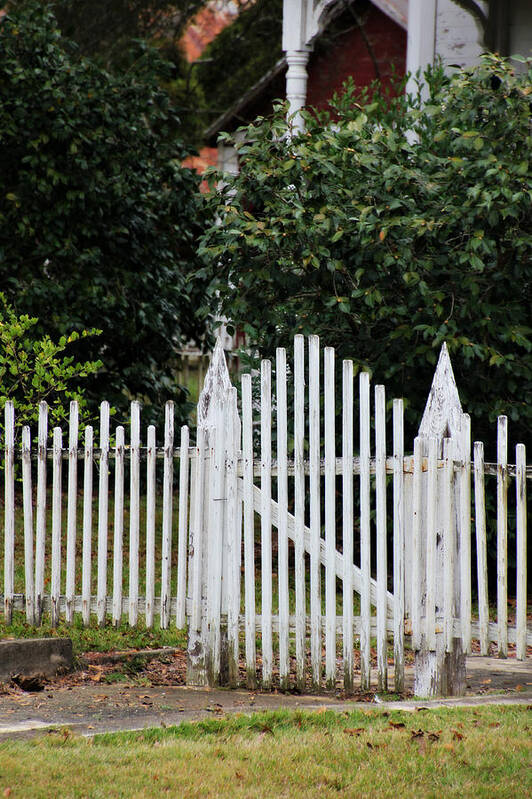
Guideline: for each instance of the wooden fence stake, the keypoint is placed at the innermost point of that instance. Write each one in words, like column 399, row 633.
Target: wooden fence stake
column 520, row 489
column 118, row 545
column 204, row 663
column 299, row 505
column 72, row 500
column 9, row 510
column 28, row 525
column 40, row 511
column 166, row 553
column 347, row 521
column 365, row 534
column 439, row 669
column 103, row 513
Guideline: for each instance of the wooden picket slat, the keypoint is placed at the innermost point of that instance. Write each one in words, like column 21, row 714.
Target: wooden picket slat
column 197, row 515
column 365, row 533
column 182, row 528
column 398, row 545
column 118, row 535
column 521, row 600
column 134, row 507
column 40, row 510
column 150, row 527
column 432, row 495
column 465, row 536
column 449, row 545
column 417, row 511
column 249, row 531
column 315, row 511
column 330, row 519
column 266, row 525
column 72, row 501
column 9, row 510
column 481, row 545
column 55, row 582
column 27, row 499
column 215, row 543
column 87, row 527
column 347, row 521
column 103, row 513
column 299, row 506
column 502, row 535
column 382, row 567
column 166, row 544
column 232, row 538
column 282, row 501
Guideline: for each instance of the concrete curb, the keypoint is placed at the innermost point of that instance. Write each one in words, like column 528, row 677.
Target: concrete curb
column 29, row 657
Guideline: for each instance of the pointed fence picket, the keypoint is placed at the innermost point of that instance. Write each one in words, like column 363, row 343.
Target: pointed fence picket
column 162, row 533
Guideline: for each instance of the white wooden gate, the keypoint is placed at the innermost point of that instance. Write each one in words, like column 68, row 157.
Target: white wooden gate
column 429, row 502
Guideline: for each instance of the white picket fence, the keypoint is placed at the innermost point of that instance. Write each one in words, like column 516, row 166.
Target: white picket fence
column 321, row 596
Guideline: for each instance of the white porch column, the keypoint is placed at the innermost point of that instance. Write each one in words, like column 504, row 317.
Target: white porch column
column 297, row 15
column 421, row 42
column 296, row 84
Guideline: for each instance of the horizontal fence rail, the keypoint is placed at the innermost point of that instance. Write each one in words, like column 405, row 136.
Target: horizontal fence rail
column 288, row 535
column 490, row 469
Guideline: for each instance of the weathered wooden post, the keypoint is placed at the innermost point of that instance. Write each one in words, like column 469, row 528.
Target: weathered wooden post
column 439, row 539
column 214, row 542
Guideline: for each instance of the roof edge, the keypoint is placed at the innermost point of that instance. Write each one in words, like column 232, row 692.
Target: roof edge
column 246, row 98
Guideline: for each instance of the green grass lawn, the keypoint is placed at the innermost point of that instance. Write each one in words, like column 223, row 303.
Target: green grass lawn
column 94, row 638
column 450, row 752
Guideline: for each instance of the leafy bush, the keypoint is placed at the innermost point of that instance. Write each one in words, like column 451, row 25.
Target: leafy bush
column 389, row 228
column 98, row 220
column 33, row 369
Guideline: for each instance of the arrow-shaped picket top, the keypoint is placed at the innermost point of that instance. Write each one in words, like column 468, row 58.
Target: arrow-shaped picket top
column 443, row 411
column 217, row 384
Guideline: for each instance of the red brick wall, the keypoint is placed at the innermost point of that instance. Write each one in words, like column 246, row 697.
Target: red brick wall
column 347, row 54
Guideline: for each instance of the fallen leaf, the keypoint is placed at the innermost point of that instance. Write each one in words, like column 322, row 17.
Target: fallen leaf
column 457, row 736
column 417, row 733
column 433, row 736
column 397, row 725
column 265, row 728
column 354, row 730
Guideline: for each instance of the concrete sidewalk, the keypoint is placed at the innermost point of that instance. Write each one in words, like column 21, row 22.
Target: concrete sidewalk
column 93, row 709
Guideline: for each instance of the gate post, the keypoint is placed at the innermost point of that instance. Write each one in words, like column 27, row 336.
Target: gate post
column 440, row 659
column 207, row 648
